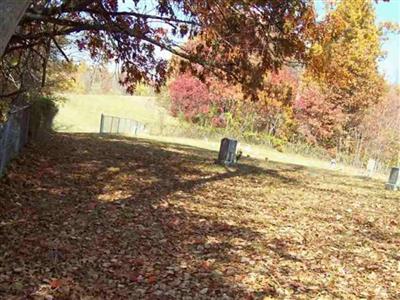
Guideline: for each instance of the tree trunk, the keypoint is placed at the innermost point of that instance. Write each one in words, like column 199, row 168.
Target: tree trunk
column 11, row 12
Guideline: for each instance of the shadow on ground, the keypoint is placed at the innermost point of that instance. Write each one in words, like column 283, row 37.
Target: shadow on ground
column 90, row 217
column 96, row 213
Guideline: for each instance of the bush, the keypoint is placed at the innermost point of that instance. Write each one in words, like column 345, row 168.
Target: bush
column 43, row 111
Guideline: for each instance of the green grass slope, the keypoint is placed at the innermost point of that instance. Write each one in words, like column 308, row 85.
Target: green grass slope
column 81, row 113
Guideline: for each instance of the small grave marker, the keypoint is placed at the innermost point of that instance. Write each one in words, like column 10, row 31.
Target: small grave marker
column 227, row 151
column 394, row 180
column 371, row 167
column 333, row 163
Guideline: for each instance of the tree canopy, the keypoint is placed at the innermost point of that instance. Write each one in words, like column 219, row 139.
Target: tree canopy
column 249, row 37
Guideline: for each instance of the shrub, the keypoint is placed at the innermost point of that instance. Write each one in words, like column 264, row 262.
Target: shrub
column 43, row 111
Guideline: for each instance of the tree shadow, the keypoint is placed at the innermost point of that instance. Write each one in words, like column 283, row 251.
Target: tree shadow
column 117, row 218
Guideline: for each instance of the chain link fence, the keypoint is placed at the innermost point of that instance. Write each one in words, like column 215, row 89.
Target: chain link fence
column 13, row 135
column 117, row 125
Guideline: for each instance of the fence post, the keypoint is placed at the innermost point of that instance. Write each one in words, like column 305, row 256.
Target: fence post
column 27, row 126
column 119, row 125
column 18, row 132
column 112, row 124
column 101, row 123
column 13, row 136
column 3, row 146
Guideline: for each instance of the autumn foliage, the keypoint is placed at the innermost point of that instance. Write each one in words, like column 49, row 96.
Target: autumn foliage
column 381, row 129
column 190, row 96
column 132, row 32
column 319, row 120
column 327, row 102
column 265, row 69
column 345, row 57
column 201, row 102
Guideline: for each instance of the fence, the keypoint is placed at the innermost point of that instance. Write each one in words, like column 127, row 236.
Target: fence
column 13, row 135
column 117, row 125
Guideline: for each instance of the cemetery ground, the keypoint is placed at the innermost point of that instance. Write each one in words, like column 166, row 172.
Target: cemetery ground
column 90, row 217
column 81, row 113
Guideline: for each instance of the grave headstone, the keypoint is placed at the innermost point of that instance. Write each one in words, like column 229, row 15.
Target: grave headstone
column 371, row 167
column 227, row 151
column 394, row 180
column 333, row 163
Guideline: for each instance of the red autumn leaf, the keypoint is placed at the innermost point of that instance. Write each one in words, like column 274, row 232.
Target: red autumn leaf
column 135, row 277
column 152, row 279
column 175, row 222
column 55, row 284
column 205, row 265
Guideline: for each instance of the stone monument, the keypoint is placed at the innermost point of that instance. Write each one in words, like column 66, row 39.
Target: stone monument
column 227, row 151
column 394, row 180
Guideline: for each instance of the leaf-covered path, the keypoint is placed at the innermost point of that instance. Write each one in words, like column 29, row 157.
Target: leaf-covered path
column 85, row 217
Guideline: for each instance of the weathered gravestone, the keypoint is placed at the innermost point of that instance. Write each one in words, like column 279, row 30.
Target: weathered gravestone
column 371, row 167
column 227, row 151
column 394, row 180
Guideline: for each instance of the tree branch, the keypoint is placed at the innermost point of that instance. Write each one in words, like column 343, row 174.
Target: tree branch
column 75, row 27
column 12, row 94
column 60, row 49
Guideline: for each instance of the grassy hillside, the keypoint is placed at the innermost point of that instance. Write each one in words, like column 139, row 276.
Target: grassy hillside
column 81, row 113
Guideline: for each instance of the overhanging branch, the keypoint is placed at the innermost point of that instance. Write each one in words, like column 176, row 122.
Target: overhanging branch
column 76, row 27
